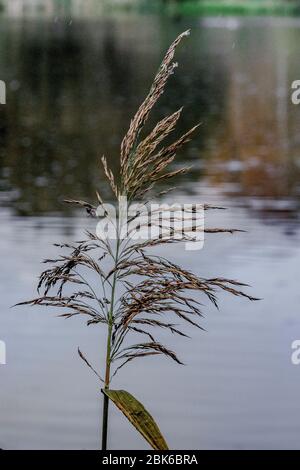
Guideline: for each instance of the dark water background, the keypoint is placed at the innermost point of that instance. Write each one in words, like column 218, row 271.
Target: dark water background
column 72, row 86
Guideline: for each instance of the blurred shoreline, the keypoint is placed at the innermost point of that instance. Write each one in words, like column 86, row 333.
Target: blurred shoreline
column 172, row 8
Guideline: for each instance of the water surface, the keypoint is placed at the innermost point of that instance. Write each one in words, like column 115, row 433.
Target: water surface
column 72, row 86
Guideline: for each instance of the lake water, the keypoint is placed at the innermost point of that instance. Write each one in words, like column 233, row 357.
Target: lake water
column 72, row 86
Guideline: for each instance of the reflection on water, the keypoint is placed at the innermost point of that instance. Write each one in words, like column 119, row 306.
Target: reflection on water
column 72, row 91
column 73, row 85
column 46, row 8
column 256, row 151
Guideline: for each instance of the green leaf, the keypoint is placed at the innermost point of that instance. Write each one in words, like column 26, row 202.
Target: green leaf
column 139, row 417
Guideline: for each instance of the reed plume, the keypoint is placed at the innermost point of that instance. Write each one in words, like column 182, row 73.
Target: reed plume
column 154, row 293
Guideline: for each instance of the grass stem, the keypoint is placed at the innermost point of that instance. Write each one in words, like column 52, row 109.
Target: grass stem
column 108, row 350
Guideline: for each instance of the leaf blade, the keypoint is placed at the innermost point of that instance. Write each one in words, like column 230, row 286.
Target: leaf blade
column 139, row 417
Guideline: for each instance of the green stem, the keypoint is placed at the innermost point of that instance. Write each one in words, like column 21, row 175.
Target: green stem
column 105, row 422
column 108, row 353
column 106, row 387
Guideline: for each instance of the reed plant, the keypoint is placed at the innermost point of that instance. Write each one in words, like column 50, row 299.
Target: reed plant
column 140, row 292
